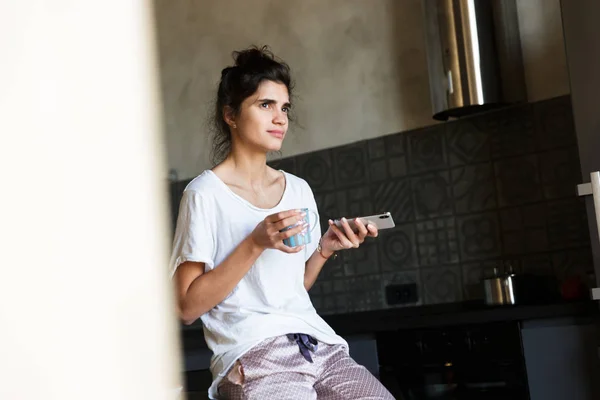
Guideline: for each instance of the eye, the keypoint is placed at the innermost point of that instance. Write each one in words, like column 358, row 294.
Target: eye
column 265, row 104
column 285, row 109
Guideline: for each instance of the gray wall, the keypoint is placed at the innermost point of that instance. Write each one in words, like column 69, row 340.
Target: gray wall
column 359, row 65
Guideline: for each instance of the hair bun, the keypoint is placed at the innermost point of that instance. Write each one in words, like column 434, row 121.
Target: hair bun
column 225, row 71
column 254, row 58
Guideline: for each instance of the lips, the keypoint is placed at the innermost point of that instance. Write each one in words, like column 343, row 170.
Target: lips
column 276, row 133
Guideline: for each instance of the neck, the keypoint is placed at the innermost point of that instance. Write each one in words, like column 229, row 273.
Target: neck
column 250, row 167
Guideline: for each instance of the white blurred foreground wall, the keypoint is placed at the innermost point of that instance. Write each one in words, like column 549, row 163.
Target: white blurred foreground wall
column 86, row 310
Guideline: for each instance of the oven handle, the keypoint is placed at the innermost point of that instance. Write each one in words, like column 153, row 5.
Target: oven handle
column 593, row 188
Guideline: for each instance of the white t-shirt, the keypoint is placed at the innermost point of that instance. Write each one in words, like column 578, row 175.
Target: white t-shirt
column 271, row 299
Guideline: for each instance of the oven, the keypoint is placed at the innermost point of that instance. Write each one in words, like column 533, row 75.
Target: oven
column 464, row 362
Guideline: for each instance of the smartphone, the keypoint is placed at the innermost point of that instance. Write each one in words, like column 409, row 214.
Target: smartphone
column 381, row 221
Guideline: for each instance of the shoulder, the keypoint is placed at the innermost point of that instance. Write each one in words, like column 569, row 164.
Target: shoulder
column 202, row 190
column 296, row 182
column 298, row 187
column 199, row 197
column 202, row 184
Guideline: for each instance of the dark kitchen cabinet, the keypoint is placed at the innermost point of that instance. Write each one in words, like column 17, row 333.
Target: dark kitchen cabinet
column 560, row 360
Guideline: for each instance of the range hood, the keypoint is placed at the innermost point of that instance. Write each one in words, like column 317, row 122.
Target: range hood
column 474, row 56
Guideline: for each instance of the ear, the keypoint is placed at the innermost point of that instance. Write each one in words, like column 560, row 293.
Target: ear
column 228, row 116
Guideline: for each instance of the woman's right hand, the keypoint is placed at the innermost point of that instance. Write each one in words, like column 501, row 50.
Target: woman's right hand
column 267, row 233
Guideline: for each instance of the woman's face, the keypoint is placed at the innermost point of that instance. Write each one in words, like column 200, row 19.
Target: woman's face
column 263, row 118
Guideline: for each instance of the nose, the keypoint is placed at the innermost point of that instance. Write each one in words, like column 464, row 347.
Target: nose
column 280, row 118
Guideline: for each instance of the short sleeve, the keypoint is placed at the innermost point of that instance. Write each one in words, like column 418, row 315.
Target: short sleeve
column 194, row 239
column 316, row 232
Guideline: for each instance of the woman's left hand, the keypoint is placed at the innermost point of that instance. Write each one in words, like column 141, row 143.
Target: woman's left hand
column 336, row 239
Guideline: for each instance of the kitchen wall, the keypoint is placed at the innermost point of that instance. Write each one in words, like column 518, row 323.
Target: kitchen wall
column 359, row 65
column 464, row 195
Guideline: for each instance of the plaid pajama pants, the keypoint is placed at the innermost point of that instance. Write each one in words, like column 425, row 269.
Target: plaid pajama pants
column 278, row 369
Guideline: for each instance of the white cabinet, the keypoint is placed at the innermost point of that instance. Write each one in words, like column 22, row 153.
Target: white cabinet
column 582, row 45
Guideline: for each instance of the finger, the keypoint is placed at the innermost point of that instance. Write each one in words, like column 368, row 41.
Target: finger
column 350, row 233
column 289, row 250
column 362, row 229
column 290, row 232
column 284, row 223
column 340, row 235
column 373, row 231
column 282, row 215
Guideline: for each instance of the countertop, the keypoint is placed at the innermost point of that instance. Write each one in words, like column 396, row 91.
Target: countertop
column 430, row 316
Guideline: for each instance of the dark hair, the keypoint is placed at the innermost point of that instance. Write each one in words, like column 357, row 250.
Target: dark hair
column 252, row 66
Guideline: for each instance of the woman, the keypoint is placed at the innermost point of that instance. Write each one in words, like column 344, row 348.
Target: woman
column 232, row 268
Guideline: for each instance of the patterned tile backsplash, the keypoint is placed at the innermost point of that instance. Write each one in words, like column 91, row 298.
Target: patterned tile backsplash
column 464, row 195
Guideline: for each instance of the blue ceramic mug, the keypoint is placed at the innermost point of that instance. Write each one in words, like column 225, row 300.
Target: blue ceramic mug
column 302, row 237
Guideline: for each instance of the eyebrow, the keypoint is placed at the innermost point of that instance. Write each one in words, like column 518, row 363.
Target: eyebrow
column 271, row 101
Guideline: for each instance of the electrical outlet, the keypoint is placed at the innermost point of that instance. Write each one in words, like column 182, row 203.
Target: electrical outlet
column 401, row 294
